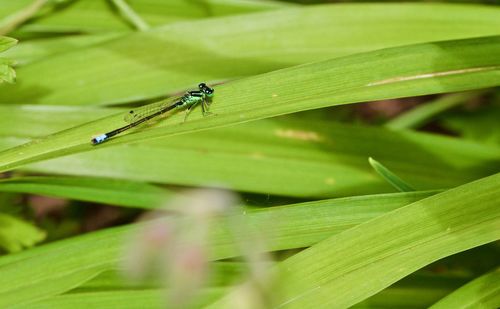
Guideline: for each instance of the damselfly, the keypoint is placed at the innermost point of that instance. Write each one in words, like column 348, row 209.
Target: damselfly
column 140, row 115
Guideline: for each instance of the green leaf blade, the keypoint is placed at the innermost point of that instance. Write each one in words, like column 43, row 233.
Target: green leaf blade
column 98, row 190
column 390, row 177
column 60, row 266
column 172, row 58
column 6, row 43
column 16, row 234
column 483, row 292
column 7, row 74
column 393, row 246
column 358, row 78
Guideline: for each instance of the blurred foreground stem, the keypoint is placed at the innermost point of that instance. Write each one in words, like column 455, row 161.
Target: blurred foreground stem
column 130, row 15
column 11, row 22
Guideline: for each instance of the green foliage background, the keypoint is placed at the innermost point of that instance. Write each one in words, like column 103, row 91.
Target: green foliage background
column 339, row 231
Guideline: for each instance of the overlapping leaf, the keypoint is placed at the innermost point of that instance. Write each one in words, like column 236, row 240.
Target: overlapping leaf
column 469, row 64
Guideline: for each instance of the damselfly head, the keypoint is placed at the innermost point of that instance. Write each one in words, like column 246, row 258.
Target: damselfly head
column 206, row 90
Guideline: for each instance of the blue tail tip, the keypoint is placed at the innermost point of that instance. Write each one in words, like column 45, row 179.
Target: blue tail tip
column 99, row 139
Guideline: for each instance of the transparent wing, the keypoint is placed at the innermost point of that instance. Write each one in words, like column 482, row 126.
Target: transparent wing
column 138, row 113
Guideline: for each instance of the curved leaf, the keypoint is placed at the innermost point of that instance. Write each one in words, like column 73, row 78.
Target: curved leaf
column 96, row 16
column 391, row 73
column 169, row 59
column 34, row 50
column 331, row 156
column 373, row 255
column 15, row 234
column 129, row 299
column 422, row 114
column 108, row 191
column 60, row 266
column 483, row 292
column 390, row 177
column 6, row 43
